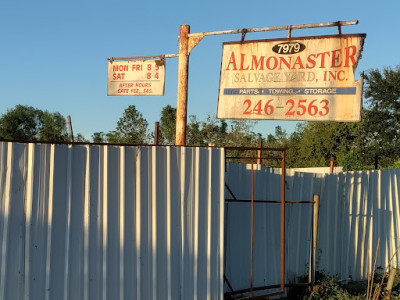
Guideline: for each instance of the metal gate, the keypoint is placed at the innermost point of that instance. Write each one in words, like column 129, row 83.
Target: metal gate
column 255, row 157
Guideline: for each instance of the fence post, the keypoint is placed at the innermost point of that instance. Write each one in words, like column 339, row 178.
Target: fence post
column 156, row 133
column 313, row 263
column 259, row 151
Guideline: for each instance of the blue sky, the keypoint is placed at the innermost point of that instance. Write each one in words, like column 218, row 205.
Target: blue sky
column 53, row 53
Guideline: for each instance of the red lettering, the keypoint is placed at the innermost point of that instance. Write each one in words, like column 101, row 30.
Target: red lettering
column 341, row 78
column 137, row 67
column 242, row 62
column 268, row 63
column 285, row 62
column 350, row 56
column 311, row 61
column 120, row 68
column 298, row 62
column 323, row 54
column 336, row 55
column 118, row 76
column 232, row 61
column 259, row 63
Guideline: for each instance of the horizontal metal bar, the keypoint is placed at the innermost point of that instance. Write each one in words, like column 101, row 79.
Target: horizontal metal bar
column 244, row 30
column 275, row 286
column 142, row 57
column 253, row 158
column 256, row 148
column 275, row 28
column 269, row 201
column 268, row 287
column 265, row 296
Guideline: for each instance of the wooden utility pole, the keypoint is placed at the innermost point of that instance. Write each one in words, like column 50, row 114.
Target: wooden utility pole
column 156, row 133
column 71, row 133
column 181, row 104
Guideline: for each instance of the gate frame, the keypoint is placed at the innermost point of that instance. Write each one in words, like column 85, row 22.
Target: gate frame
column 313, row 245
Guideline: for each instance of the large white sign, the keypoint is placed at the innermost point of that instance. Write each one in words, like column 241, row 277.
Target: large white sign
column 136, row 78
column 309, row 78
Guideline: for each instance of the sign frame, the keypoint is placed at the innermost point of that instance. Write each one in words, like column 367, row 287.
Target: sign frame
column 275, row 99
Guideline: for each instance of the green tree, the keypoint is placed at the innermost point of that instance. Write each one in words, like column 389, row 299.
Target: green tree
column 241, row 134
column 194, row 134
column 80, row 138
column 167, row 125
column 131, row 128
column 20, row 123
column 99, row 137
column 279, row 139
column 115, row 137
column 220, row 133
column 317, row 142
column 54, row 127
column 31, row 124
column 214, row 132
column 382, row 117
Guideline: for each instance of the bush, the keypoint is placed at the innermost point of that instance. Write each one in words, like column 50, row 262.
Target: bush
column 327, row 289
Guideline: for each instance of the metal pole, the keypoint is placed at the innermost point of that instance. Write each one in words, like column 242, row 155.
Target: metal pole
column 160, row 56
column 251, row 230
column 181, row 104
column 315, row 236
column 283, row 218
column 259, row 151
column 276, row 28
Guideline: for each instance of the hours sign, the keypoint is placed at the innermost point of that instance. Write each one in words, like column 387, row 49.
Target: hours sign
column 136, row 78
column 308, row 78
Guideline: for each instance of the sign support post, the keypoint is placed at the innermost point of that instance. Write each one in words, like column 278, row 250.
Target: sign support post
column 181, row 104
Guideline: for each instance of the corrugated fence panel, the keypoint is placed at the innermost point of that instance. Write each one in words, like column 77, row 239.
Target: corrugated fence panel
column 111, row 222
column 356, row 210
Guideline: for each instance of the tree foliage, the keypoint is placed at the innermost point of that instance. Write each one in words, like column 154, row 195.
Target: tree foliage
column 131, row 128
column 54, row 127
column 382, row 117
column 219, row 133
column 167, row 125
column 80, row 138
column 99, row 137
column 30, row 124
column 319, row 141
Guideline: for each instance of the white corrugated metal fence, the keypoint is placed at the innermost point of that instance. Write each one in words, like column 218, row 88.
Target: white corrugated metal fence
column 114, row 222
column 111, row 222
column 356, row 208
